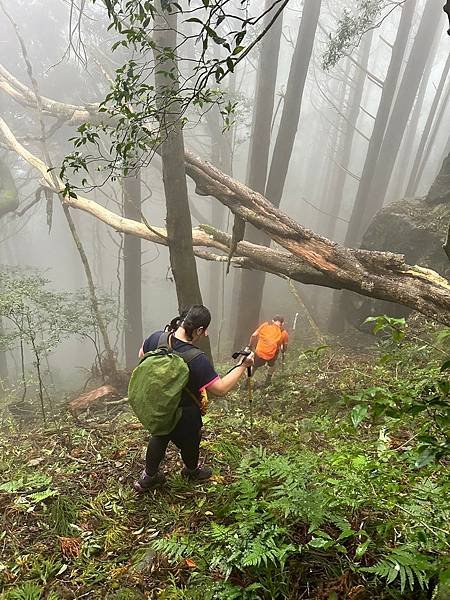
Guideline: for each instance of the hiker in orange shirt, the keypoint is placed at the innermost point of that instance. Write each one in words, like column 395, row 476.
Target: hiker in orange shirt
column 266, row 342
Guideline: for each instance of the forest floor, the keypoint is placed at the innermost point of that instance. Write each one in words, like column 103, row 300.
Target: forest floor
column 318, row 496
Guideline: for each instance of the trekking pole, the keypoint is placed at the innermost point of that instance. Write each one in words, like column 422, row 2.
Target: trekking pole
column 249, row 385
column 250, row 397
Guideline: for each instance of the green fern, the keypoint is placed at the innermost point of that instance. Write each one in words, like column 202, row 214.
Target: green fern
column 26, row 591
column 177, row 548
column 403, row 564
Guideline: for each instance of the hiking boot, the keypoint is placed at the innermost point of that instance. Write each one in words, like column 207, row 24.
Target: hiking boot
column 198, row 474
column 148, row 482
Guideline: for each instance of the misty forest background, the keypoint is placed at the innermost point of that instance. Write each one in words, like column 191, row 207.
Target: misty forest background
column 279, row 157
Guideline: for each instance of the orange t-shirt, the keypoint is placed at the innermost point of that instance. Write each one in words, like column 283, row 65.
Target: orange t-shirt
column 284, row 337
column 270, row 338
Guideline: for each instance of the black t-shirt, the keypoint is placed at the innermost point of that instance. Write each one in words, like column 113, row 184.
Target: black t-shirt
column 201, row 372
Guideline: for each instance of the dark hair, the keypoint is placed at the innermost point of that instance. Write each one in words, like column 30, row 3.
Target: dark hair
column 197, row 316
column 190, row 319
column 176, row 322
column 278, row 318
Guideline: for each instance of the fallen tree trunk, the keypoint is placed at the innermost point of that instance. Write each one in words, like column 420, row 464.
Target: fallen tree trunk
column 310, row 258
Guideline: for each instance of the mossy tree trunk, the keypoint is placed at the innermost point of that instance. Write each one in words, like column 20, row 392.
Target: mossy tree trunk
column 178, row 216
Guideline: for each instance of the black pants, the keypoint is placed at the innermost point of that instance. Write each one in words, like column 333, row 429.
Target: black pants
column 186, row 436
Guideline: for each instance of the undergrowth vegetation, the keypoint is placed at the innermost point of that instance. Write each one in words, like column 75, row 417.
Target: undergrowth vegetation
column 337, row 488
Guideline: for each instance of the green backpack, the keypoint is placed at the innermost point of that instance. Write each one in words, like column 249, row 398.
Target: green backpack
column 156, row 385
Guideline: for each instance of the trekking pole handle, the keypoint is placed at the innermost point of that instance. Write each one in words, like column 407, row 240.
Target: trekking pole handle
column 243, row 353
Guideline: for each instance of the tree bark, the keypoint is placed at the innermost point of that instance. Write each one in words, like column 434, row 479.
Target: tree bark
column 284, row 143
column 368, row 273
column 431, row 139
column 9, row 198
column 402, row 107
column 282, row 152
column 354, row 103
column 178, row 217
column 108, row 365
column 251, row 283
column 221, row 157
column 341, row 126
column 132, row 276
column 404, row 159
column 357, row 219
column 415, row 175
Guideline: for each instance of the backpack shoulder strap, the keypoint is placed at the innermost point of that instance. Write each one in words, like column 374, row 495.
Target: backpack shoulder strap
column 189, row 355
column 163, row 344
column 164, row 341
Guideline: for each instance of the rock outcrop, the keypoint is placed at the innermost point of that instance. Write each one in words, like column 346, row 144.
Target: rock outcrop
column 415, row 227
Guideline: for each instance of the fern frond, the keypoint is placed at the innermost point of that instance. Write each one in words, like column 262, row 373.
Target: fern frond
column 405, row 564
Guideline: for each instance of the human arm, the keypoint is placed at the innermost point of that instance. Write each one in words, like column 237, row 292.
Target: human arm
column 253, row 340
column 221, row 386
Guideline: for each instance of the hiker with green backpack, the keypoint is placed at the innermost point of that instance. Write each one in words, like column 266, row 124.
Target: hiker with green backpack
column 166, row 391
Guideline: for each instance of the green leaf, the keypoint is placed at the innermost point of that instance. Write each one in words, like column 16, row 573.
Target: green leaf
column 40, row 496
column 238, row 50
column 358, row 414
column 426, row 456
column 320, row 543
column 362, row 549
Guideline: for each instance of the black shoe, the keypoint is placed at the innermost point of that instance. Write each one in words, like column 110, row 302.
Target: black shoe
column 147, row 482
column 198, row 474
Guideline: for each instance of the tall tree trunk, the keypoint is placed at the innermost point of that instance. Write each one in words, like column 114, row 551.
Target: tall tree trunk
column 251, row 297
column 284, row 143
column 132, row 278
column 326, row 214
column 434, row 132
column 357, row 222
column 346, row 124
column 222, row 157
column 418, row 165
column 354, row 103
column 325, row 185
column 401, row 110
column 251, row 283
column 402, row 168
column 178, row 216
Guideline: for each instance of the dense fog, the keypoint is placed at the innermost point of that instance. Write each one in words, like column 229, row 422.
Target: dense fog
column 65, row 54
